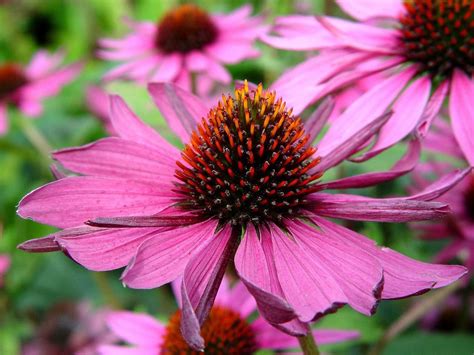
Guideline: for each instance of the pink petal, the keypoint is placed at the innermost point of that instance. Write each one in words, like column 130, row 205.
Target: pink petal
column 162, row 259
column 329, row 336
column 462, row 113
column 43, row 63
column 128, row 126
column 432, row 109
column 100, row 249
column 136, row 328
column 307, row 284
column 40, row 245
column 358, row 273
column 3, row 118
column 232, row 52
column 366, row 109
column 98, row 103
column 202, row 277
column 315, row 123
column 364, row 10
column 169, row 68
column 407, row 112
column 217, row 72
column 123, row 350
column 182, row 110
column 115, row 157
column 72, row 201
column 402, row 167
column 196, row 61
column 256, row 269
column 396, row 210
column 240, row 300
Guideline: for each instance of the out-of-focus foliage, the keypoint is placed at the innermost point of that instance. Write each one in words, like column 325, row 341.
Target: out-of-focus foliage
column 36, row 283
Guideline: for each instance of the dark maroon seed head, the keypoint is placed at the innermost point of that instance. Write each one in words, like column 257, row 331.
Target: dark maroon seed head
column 11, row 78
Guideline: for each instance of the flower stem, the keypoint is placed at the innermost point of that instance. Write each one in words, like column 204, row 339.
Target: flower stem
column 413, row 314
column 308, row 344
column 36, row 138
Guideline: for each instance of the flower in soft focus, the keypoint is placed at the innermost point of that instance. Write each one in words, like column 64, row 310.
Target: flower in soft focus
column 459, row 226
column 186, row 41
column 457, row 311
column 4, row 266
column 246, row 187
column 424, row 50
column 229, row 329
column 69, row 328
column 97, row 101
column 26, row 87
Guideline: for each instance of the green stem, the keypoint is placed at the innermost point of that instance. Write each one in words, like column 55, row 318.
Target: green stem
column 308, row 344
column 36, row 138
column 417, row 311
column 194, row 88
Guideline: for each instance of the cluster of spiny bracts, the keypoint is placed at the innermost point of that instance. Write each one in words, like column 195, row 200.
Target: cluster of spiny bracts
column 248, row 190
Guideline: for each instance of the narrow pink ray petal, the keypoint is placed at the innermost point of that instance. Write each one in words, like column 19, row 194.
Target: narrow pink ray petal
column 182, row 110
column 396, row 210
column 315, row 123
column 232, row 52
column 116, row 157
column 202, row 277
column 307, row 284
column 402, row 167
column 70, row 202
column 128, row 126
column 432, row 109
column 40, row 245
column 161, row 259
column 407, row 112
column 462, row 113
column 358, row 273
column 366, row 9
column 3, row 118
column 43, row 63
column 256, row 269
column 135, row 328
column 122, row 350
column 366, row 109
column 240, row 300
column 169, row 68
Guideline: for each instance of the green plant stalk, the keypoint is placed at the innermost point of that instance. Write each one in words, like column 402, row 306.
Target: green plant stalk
column 308, row 344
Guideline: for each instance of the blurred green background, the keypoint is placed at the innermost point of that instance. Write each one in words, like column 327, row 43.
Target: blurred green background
column 36, row 283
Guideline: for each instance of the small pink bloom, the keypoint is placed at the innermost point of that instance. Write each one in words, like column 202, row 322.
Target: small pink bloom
column 4, row 266
column 27, row 87
column 424, row 51
column 186, row 40
column 227, row 329
column 247, row 186
column 98, row 103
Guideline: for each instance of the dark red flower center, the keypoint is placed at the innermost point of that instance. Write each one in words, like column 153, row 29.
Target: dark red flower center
column 439, row 35
column 469, row 199
column 11, row 78
column 185, row 29
column 248, row 161
column 224, row 332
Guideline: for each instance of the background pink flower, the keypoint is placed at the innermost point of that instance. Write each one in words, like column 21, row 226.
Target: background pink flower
column 26, row 87
column 234, row 304
column 4, row 266
column 166, row 214
column 186, row 40
column 425, row 55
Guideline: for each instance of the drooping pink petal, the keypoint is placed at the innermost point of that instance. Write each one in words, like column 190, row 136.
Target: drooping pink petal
column 432, row 109
column 315, row 123
column 256, row 269
column 162, row 259
column 202, row 277
column 43, row 63
column 366, row 9
column 396, row 210
column 366, row 109
column 72, row 201
column 169, row 68
column 135, row 328
column 358, row 273
column 116, row 157
column 101, row 249
column 182, row 110
column 128, row 126
column 307, row 284
column 40, row 245
column 403, row 276
column 462, row 113
column 407, row 112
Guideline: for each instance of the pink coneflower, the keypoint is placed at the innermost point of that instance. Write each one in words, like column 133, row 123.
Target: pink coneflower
column 69, row 328
column 187, row 40
column 423, row 48
column 4, row 266
column 26, row 87
column 246, row 187
column 228, row 329
column 458, row 227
